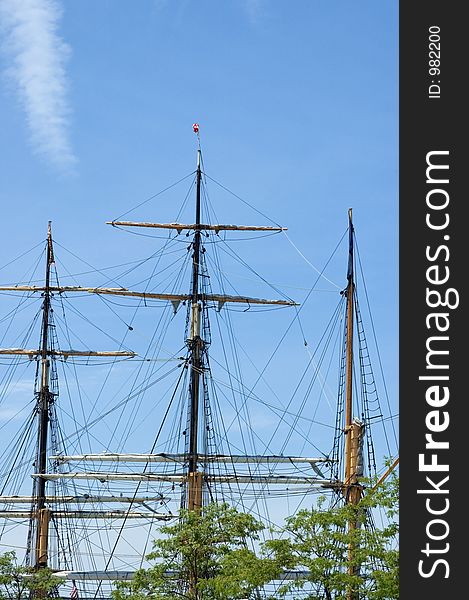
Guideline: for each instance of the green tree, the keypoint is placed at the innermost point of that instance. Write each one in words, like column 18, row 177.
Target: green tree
column 19, row 583
column 205, row 555
column 319, row 542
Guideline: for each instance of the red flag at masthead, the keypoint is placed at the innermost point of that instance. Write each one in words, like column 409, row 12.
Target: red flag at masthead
column 195, row 127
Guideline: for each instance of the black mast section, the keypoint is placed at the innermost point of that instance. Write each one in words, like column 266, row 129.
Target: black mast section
column 196, row 341
column 44, row 400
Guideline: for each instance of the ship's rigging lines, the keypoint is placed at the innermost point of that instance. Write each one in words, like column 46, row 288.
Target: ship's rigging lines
column 201, row 468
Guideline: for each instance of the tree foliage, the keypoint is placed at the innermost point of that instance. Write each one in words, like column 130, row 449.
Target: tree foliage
column 18, row 582
column 216, row 554
column 205, row 555
column 342, row 550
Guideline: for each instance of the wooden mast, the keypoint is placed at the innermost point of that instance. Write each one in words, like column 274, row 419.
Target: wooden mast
column 353, row 428
column 196, row 344
column 44, row 400
column 349, row 469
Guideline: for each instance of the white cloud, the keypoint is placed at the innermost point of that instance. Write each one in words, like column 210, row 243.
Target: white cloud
column 37, row 70
column 255, row 10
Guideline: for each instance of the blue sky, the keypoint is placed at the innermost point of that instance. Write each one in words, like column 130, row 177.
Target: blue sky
column 298, row 110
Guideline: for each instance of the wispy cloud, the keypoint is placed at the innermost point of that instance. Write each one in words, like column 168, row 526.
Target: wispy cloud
column 37, row 56
column 255, row 10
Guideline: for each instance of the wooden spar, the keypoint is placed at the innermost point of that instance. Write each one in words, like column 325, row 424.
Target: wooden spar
column 82, row 514
column 82, row 499
column 65, row 353
column 90, row 290
column 386, row 474
column 223, row 298
column 195, row 226
column 182, row 458
column 220, row 298
column 285, row 575
column 182, row 478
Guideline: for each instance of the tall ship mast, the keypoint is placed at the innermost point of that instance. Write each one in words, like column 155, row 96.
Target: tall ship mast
column 173, row 432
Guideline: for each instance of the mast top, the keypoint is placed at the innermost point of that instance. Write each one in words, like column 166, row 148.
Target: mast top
column 50, row 248
column 195, row 128
column 350, row 248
